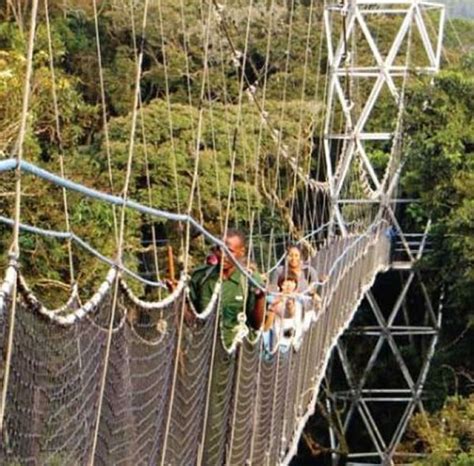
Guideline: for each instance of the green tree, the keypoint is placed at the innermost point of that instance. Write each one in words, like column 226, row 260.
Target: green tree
column 447, row 436
column 440, row 148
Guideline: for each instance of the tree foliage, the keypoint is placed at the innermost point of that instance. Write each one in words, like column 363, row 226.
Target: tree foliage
column 440, row 149
column 447, row 436
column 179, row 93
column 439, row 129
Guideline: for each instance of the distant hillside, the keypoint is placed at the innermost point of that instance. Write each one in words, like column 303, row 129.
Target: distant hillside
column 459, row 8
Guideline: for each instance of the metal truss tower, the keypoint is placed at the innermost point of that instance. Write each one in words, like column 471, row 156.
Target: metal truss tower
column 374, row 48
column 378, row 388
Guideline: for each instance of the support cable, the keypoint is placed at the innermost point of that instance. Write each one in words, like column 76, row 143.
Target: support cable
column 59, row 139
column 105, row 123
column 188, row 231
column 121, row 231
column 15, row 246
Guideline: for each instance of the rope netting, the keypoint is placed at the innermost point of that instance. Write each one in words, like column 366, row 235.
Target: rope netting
column 102, row 364
column 256, row 403
column 53, row 389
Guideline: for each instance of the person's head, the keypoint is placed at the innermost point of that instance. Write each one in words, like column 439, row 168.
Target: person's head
column 235, row 242
column 287, row 282
column 294, row 257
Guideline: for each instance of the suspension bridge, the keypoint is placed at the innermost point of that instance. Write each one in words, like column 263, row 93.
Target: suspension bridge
column 119, row 376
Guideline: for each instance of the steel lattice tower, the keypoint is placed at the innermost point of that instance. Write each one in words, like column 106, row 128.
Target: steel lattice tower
column 374, row 48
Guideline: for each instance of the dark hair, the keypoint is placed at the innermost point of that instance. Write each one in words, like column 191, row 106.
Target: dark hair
column 285, row 276
column 294, row 246
column 233, row 233
column 303, row 252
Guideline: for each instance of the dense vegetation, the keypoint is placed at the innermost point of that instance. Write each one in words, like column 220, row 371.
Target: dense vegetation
column 440, row 171
column 177, row 96
column 439, row 145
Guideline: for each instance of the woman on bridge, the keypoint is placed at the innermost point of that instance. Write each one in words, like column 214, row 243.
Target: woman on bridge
column 295, row 265
column 307, row 278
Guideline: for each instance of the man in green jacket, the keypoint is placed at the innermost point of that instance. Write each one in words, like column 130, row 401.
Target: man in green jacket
column 241, row 301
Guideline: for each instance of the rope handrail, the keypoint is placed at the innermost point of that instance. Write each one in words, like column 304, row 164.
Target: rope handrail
column 372, row 227
column 10, row 164
column 66, row 235
column 362, row 257
column 95, row 300
column 72, row 236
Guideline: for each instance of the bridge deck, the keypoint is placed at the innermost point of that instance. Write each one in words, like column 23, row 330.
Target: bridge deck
column 172, row 393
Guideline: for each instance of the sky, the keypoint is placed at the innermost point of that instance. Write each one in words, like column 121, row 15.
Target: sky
column 459, row 8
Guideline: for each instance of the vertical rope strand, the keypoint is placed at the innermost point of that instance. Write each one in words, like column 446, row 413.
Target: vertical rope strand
column 188, row 232
column 149, row 194
column 121, row 229
column 59, row 137
column 15, row 247
column 104, row 113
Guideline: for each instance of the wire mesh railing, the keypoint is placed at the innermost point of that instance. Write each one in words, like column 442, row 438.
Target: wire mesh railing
column 233, row 408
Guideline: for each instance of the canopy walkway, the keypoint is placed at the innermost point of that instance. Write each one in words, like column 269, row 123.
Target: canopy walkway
column 120, row 376
column 162, row 374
